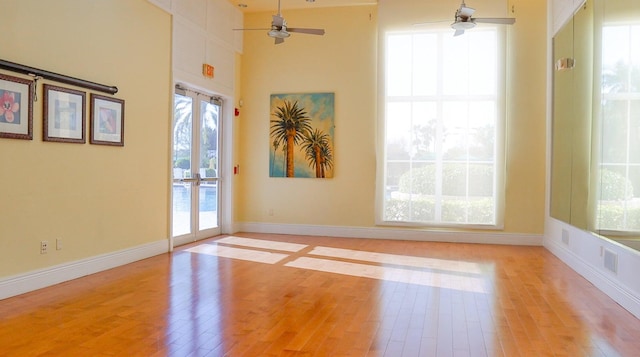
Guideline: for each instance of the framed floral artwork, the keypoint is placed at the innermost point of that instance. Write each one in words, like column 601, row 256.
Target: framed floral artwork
column 107, row 120
column 16, row 107
column 63, row 115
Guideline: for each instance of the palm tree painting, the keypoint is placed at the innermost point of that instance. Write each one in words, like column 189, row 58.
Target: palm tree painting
column 301, row 135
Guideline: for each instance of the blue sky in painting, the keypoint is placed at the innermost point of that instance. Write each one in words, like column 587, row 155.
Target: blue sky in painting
column 320, row 107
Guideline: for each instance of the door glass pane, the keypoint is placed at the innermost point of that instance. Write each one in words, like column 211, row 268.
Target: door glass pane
column 182, row 134
column 182, row 146
column 208, row 200
column 181, row 209
column 209, row 140
column 208, row 205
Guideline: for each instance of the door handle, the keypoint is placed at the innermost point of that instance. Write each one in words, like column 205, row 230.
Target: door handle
column 196, row 179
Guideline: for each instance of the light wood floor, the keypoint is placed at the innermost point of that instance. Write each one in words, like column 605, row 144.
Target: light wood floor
column 274, row 295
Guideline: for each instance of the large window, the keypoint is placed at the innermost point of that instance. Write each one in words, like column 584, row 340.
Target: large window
column 619, row 196
column 443, row 127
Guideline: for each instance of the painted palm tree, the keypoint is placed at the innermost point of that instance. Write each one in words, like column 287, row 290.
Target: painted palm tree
column 317, row 151
column 284, row 158
column 275, row 144
column 327, row 159
column 289, row 129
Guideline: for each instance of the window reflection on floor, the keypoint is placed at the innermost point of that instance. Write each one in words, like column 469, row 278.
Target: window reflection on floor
column 449, row 274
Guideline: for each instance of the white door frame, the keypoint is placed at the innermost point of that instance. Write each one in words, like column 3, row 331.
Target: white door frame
column 225, row 172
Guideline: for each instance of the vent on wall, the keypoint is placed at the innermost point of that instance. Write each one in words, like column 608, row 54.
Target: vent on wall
column 610, row 261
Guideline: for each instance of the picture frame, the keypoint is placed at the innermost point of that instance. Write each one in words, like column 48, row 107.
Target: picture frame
column 63, row 115
column 16, row 107
column 107, row 120
column 312, row 154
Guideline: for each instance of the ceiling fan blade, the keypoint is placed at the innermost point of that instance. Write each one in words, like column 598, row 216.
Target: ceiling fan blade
column 458, row 33
column 277, row 21
column 307, row 31
column 279, row 40
column 496, row 20
column 466, row 11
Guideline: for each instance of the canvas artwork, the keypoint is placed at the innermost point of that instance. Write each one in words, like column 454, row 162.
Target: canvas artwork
column 301, row 135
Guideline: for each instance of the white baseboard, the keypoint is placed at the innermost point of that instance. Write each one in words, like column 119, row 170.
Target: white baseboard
column 38, row 279
column 612, row 288
column 393, row 233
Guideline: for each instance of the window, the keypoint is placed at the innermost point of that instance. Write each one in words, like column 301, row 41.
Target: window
column 443, row 125
column 619, row 202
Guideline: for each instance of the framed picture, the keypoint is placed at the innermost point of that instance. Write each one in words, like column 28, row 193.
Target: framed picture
column 107, row 120
column 307, row 121
column 16, row 108
column 63, row 115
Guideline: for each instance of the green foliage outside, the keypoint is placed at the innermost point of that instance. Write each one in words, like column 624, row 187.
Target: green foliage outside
column 183, row 163
column 456, row 207
column 423, row 180
column 611, row 217
column 478, row 211
column 614, row 186
column 616, row 195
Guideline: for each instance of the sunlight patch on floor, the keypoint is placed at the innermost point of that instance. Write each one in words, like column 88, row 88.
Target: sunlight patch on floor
column 238, row 253
column 406, row 260
column 418, row 277
column 447, row 274
column 264, row 244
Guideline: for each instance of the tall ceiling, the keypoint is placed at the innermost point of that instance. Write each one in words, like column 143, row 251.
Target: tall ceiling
column 272, row 5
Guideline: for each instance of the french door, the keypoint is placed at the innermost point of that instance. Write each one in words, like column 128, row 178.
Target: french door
column 196, row 184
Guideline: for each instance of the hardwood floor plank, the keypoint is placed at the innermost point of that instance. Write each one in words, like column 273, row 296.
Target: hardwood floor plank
column 284, row 295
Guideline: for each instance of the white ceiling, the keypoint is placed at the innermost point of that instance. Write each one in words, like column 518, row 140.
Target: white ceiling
column 272, row 5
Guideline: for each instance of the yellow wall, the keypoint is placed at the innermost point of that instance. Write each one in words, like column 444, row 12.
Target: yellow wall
column 97, row 199
column 526, row 117
column 344, row 61
column 102, row 199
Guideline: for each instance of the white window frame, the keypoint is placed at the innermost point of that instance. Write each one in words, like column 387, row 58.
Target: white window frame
column 499, row 160
column 626, row 97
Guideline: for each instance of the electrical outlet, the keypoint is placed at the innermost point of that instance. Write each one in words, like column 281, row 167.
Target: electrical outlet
column 44, row 246
column 59, row 244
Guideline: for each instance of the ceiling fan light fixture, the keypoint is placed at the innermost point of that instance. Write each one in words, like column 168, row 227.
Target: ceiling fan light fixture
column 463, row 25
column 279, row 29
column 463, row 20
column 279, row 33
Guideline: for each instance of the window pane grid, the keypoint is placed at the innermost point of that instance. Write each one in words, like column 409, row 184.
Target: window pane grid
column 619, row 161
column 440, row 138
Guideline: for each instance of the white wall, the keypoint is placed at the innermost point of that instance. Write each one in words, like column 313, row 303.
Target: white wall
column 584, row 250
column 202, row 33
column 561, row 11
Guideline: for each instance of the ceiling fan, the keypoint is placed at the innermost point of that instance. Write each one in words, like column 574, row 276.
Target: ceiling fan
column 280, row 31
column 463, row 20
